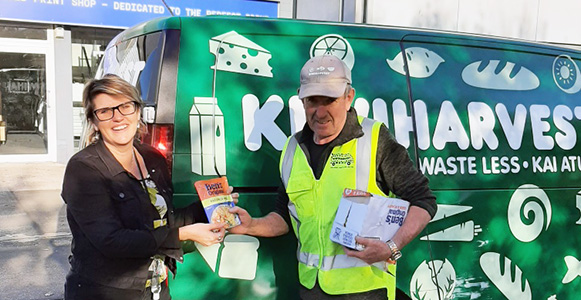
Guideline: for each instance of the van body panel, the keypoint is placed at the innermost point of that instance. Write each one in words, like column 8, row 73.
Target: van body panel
column 491, row 122
column 157, row 24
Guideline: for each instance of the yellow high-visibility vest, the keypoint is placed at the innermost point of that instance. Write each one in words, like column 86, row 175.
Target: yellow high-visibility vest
column 313, row 204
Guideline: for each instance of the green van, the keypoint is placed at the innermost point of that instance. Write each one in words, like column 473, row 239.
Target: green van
column 492, row 122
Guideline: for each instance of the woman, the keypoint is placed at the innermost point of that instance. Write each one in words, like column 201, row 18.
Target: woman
column 119, row 205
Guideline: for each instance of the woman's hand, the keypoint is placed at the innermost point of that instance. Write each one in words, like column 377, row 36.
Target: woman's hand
column 234, row 195
column 203, row 233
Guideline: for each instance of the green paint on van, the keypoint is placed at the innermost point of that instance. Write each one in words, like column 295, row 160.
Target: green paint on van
column 492, row 122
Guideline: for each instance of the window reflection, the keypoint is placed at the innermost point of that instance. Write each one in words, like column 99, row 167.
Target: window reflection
column 23, row 103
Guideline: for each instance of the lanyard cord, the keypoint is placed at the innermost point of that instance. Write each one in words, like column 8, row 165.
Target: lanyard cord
column 141, row 177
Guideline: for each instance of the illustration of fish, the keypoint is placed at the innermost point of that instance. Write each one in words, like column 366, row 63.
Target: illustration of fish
column 507, row 78
column 422, row 62
column 573, row 269
column 503, row 279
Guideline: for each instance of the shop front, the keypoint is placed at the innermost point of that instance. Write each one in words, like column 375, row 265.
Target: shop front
column 50, row 49
column 27, row 95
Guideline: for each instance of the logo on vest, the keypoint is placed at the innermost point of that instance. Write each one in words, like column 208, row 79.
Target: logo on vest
column 341, row 160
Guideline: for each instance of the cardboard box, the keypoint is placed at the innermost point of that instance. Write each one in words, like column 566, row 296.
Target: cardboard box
column 363, row 214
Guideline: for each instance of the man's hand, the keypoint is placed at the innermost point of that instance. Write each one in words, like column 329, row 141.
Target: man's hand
column 245, row 220
column 374, row 251
column 270, row 225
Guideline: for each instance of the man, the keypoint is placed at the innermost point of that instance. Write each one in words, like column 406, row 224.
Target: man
column 313, row 185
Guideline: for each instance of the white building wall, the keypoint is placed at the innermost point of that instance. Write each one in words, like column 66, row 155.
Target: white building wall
column 285, row 9
column 553, row 21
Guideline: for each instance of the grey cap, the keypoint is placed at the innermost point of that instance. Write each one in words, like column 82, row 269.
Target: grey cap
column 324, row 75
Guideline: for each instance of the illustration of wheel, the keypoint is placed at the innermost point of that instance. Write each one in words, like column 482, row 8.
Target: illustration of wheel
column 566, row 74
column 333, row 44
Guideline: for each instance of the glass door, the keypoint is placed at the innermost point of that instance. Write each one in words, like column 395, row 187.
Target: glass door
column 24, row 100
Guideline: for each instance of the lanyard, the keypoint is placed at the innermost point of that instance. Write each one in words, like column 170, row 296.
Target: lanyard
column 142, row 178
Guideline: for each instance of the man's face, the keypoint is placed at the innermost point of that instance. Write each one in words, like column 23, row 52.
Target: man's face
column 326, row 116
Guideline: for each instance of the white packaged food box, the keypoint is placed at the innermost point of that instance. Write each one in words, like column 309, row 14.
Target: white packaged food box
column 371, row 216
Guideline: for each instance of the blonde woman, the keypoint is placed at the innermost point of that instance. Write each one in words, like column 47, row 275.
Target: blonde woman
column 118, row 192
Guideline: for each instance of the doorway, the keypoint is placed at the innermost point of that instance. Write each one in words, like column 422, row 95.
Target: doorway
column 24, row 102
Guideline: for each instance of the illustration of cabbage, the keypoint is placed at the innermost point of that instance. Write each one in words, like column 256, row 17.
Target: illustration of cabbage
column 422, row 62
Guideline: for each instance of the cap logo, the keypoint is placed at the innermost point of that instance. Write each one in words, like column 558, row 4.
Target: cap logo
column 321, row 71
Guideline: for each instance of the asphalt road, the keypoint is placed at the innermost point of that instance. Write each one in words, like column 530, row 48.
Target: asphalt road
column 34, row 235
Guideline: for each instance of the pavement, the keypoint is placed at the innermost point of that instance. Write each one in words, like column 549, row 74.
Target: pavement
column 34, row 235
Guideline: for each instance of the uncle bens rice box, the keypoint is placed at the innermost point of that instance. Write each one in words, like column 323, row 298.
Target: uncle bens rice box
column 217, row 201
column 363, row 214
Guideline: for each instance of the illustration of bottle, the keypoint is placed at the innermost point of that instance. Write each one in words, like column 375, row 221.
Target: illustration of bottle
column 207, row 137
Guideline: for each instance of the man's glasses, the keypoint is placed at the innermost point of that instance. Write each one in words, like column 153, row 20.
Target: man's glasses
column 107, row 113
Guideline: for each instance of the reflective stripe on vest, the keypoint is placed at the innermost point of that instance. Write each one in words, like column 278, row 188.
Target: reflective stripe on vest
column 341, row 261
column 287, row 160
column 363, row 157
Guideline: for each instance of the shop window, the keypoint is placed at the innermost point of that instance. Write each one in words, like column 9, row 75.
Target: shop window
column 23, row 103
column 27, row 32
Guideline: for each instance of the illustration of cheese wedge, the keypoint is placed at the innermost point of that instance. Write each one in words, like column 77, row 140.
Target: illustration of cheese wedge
column 490, row 77
column 422, row 62
column 236, row 53
column 502, row 278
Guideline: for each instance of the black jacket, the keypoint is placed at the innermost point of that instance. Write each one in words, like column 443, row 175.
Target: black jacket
column 111, row 218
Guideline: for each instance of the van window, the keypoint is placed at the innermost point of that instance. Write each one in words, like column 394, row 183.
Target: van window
column 138, row 60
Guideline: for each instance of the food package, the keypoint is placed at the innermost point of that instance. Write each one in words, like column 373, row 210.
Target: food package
column 371, row 216
column 217, row 201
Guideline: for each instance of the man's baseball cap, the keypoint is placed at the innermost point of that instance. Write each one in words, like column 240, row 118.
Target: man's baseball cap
column 324, row 75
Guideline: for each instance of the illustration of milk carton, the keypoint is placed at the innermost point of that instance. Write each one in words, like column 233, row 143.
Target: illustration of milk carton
column 207, row 137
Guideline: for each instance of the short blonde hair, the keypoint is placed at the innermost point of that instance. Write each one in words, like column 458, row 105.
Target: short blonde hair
column 113, row 85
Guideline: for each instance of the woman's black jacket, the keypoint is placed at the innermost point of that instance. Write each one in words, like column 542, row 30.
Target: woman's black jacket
column 111, row 217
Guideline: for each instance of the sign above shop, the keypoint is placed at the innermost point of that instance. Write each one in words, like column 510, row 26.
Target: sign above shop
column 123, row 14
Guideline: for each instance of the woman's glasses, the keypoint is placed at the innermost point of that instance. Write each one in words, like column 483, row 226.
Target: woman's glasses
column 107, row 113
